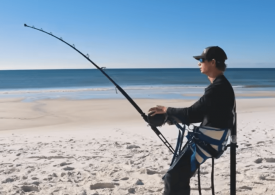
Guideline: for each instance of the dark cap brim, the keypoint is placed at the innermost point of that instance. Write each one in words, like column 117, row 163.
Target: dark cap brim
column 198, row 57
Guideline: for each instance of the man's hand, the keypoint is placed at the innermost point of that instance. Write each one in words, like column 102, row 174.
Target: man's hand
column 157, row 110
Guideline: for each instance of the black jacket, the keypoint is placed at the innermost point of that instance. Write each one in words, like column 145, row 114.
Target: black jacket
column 215, row 108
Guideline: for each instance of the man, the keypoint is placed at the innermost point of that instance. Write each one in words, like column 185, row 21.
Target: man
column 214, row 109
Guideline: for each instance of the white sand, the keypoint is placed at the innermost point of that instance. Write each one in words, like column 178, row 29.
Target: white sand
column 104, row 147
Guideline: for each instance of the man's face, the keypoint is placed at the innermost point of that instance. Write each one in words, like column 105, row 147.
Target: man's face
column 206, row 66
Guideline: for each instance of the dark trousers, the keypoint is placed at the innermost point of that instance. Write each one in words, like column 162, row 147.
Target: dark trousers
column 176, row 180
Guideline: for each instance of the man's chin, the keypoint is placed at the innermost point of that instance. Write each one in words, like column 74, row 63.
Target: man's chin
column 203, row 72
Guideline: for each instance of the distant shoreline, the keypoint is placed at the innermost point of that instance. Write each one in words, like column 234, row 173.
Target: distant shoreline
column 92, row 68
column 32, row 96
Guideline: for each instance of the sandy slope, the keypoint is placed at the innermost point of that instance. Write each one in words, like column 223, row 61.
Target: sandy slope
column 104, row 147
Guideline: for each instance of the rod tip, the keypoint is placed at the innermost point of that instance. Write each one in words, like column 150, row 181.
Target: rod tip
column 25, row 25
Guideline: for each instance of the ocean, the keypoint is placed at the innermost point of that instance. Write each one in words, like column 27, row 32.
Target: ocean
column 176, row 83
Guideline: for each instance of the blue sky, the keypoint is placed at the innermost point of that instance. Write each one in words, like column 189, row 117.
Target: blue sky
column 135, row 33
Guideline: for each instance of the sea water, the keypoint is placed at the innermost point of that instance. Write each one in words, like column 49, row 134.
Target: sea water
column 176, row 83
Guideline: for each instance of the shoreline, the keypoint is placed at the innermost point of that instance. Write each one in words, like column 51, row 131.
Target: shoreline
column 158, row 94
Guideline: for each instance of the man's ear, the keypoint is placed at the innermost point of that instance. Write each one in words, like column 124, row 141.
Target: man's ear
column 213, row 62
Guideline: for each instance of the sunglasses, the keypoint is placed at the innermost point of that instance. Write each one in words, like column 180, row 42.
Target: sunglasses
column 201, row 60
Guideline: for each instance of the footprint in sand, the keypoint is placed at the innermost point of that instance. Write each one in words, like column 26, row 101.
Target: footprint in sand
column 270, row 160
column 204, row 172
column 29, row 188
column 245, row 188
column 124, row 178
column 260, row 142
column 101, row 186
column 24, row 177
column 131, row 146
column 64, row 163
column 10, row 179
column 259, row 160
column 132, row 190
column 36, row 183
column 68, row 168
column 149, row 172
column 139, row 182
column 262, row 177
column 260, row 183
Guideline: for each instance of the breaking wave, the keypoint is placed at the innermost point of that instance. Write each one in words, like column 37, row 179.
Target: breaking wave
column 73, row 90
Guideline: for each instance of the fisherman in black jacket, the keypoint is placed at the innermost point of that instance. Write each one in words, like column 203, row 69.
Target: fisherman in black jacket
column 214, row 109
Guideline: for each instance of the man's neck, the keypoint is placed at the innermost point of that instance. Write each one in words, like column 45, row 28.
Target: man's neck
column 214, row 76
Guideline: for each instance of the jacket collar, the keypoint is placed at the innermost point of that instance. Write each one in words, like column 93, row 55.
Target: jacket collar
column 218, row 78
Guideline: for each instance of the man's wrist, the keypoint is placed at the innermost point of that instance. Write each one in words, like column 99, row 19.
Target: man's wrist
column 169, row 111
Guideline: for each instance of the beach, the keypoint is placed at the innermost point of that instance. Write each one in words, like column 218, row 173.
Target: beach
column 66, row 146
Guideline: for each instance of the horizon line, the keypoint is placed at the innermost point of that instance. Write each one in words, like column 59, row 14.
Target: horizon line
column 132, row 68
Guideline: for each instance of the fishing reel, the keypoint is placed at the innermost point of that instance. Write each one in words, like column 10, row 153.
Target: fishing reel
column 160, row 119
column 156, row 120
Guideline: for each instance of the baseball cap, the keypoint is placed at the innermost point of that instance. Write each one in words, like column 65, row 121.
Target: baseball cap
column 213, row 52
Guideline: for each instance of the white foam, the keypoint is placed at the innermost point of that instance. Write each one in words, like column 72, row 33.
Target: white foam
column 68, row 90
column 171, row 88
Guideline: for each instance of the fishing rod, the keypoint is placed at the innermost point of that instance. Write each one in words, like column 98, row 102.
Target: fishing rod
column 144, row 116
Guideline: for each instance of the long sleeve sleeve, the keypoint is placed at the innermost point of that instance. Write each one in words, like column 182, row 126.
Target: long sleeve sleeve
column 194, row 113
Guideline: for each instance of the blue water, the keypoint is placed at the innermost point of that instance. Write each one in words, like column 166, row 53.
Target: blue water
column 139, row 83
